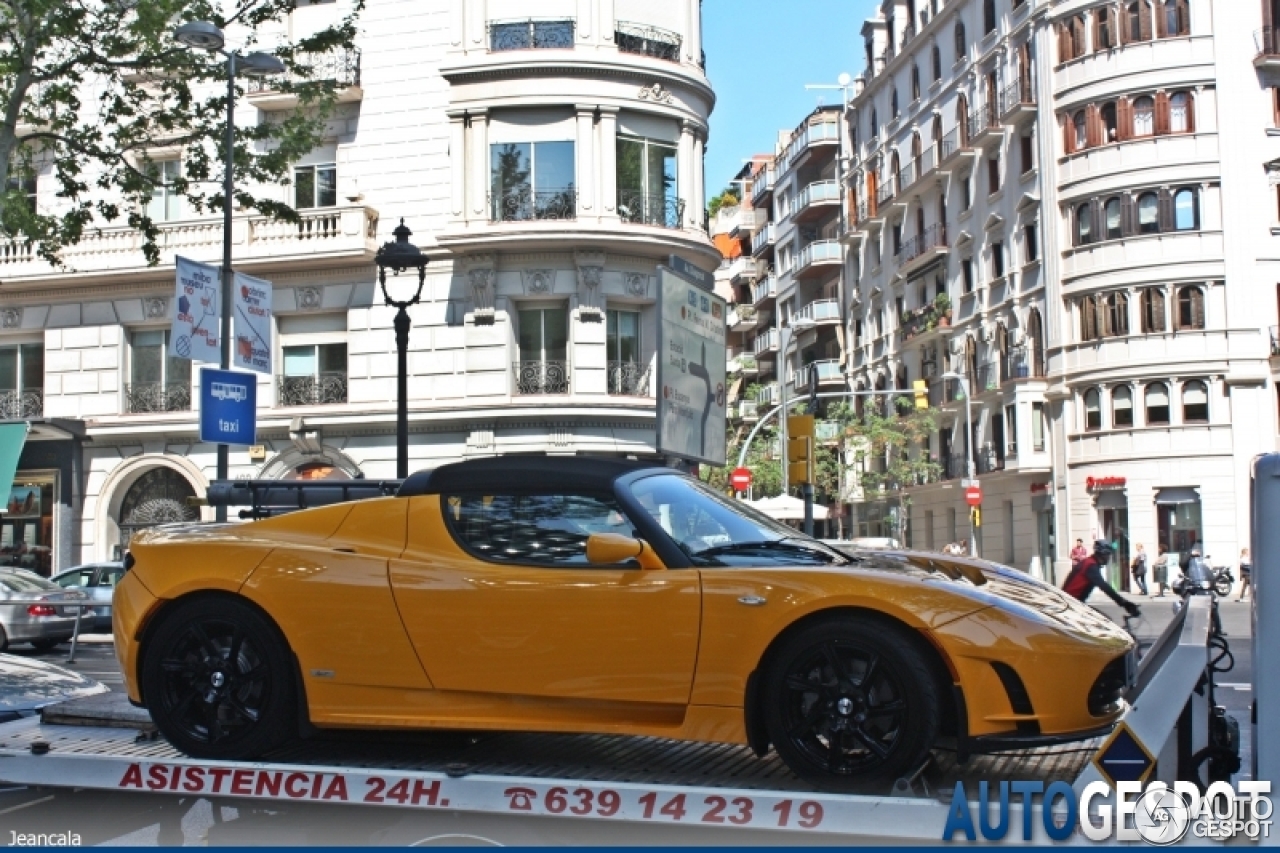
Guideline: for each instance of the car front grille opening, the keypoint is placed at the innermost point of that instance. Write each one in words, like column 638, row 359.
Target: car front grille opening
column 1019, row 699
column 1104, row 696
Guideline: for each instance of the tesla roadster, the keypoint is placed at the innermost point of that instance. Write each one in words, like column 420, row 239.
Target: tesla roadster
column 606, row 596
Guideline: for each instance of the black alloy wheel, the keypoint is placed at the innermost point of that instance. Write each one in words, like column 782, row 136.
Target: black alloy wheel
column 217, row 680
column 851, row 703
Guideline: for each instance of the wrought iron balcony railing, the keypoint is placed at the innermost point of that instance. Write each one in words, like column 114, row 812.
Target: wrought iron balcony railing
column 531, row 34
column 341, row 67
column 1021, row 363
column 541, row 377
column 520, row 204
column 629, row 378
column 322, row 390
column 18, row 404
column 933, row 237
column 152, row 397
column 641, row 208
column 647, row 41
column 1016, row 94
column 1267, row 41
column 982, row 120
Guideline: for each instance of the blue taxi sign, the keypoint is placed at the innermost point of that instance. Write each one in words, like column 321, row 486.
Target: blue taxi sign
column 228, row 406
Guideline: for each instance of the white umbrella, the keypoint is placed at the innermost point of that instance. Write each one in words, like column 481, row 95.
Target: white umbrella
column 788, row 508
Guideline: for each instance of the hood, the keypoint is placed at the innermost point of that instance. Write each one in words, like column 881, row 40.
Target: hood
column 27, row 685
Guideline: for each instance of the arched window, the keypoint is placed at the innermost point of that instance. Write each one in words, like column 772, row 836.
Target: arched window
column 875, row 124
column 1144, row 116
column 937, row 131
column 962, row 120
column 1157, row 404
column 988, row 16
column 1152, row 306
column 1109, row 122
column 1190, row 313
column 893, row 102
column 1185, row 213
column 1148, row 213
column 1079, row 123
column 937, row 63
column 1035, row 335
column 1180, row 118
column 1084, row 225
column 1117, row 316
column 1111, row 215
column 915, row 146
column 1174, row 19
column 1089, row 318
column 915, row 82
column 961, row 47
column 1195, row 402
column 1104, row 28
column 1092, row 410
column 1137, row 21
column 1121, row 406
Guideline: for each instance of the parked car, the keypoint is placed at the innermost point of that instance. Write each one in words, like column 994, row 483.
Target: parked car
column 98, row 581
column 37, row 618
column 601, row 595
column 28, row 684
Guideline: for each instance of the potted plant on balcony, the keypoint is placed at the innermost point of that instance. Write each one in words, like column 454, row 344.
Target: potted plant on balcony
column 942, row 305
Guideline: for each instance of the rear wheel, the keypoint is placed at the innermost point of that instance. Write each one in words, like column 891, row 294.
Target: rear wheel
column 4, row 639
column 44, row 645
column 851, row 703
column 217, row 680
column 1222, row 587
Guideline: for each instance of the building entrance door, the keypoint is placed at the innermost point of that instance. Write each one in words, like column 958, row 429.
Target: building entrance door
column 1115, row 529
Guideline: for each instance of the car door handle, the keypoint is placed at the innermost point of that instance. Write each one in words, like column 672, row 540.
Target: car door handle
column 751, row 600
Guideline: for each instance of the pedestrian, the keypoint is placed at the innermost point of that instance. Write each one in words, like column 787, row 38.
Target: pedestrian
column 1160, row 570
column 1139, row 569
column 1087, row 576
column 1078, row 553
column 1246, row 573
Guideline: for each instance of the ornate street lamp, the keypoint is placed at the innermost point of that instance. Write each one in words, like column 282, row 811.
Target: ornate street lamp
column 398, row 256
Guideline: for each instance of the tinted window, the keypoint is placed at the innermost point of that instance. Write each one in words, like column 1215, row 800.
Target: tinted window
column 533, row 529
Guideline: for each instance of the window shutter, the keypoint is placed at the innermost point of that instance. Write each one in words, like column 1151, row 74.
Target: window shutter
column 1144, row 19
column 1162, row 113
column 1124, row 120
column 1092, row 126
column 1158, row 309
column 1165, row 210
column 1097, row 28
column 1063, row 53
column 1099, row 225
column 1197, row 308
column 1266, row 14
column 1184, row 19
column 1160, row 27
column 1128, row 219
column 1123, row 18
column 1191, row 113
column 1068, row 134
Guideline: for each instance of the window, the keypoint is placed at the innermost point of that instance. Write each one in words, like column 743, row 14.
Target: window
column 893, row 103
column 1152, row 307
column 543, row 339
column 21, row 381
column 1089, row 318
column 315, row 186
column 1084, row 225
column 1011, row 429
column 896, row 233
column 875, row 124
column 1180, row 119
column 966, row 273
column 1195, row 402
column 314, row 375
column 937, row 63
column 1111, row 218
column 648, row 185
column 1037, row 426
column 1109, row 122
column 993, row 174
column 1079, row 125
column 1117, row 318
column 1030, row 243
column 622, row 349
column 966, row 192
column 1184, row 210
column 1144, row 116
column 961, row 47
column 997, row 260
column 1121, row 407
column 988, row 16
column 1008, row 533
column 1104, row 29
column 1190, row 308
column 1157, row 403
column 546, row 530
column 25, row 184
column 158, row 381
column 533, row 180
column 915, row 82
column 1174, row 18
column 1092, row 410
column 165, row 204
column 1027, row 150
column 525, row 35
column 1133, row 21
column 1148, row 213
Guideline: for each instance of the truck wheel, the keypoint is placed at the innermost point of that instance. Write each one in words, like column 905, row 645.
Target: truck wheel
column 851, row 703
column 217, row 680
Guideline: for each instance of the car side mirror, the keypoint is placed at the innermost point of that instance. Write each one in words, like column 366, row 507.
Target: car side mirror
column 610, row 549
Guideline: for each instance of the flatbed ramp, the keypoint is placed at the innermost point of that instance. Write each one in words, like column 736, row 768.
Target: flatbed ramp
column 589, row 777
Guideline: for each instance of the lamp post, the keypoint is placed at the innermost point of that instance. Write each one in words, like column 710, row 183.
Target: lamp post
column 202, row 35
column 398, row 256
column 968, row 443
column 785, row 335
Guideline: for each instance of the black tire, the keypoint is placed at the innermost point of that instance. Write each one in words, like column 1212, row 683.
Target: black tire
column 217, row 679
column 1222, row 587
column 45, row 644
column 4, row 639
column 851, row 703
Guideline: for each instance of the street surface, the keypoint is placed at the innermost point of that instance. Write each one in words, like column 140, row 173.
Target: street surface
column 156, row 819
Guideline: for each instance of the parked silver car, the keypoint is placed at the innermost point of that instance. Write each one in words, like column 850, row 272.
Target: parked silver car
column 27, row 685
column 38, row 617
column 98, row 581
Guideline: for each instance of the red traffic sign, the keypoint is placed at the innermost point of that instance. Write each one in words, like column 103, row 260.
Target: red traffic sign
column 973, row 494
column 740, row 479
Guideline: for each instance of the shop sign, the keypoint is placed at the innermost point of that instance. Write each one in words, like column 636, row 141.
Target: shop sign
column 1039, row 489
column 1102, row 484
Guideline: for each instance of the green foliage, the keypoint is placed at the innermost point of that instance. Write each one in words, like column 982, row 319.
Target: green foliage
column 728, row 197
column 99, row 87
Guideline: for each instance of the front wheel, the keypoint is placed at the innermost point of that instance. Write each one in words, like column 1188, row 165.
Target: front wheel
column 851, row 702
column 44, row 645
column 217, row 680
column 1222, row 586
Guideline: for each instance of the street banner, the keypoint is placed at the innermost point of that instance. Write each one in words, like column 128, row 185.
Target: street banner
column 691, row 371
column 194, row 334
column 251, row 298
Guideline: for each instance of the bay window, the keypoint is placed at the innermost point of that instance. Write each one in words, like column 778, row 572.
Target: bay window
column 532, row 180
column 627, row 373
column 648, row 182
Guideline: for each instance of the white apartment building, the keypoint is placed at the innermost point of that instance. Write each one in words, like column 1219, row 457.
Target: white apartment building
column 547, row 155
column 1068, row 205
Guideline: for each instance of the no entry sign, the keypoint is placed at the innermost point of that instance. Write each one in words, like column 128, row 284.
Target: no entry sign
column 973, row 494
column 740, row 479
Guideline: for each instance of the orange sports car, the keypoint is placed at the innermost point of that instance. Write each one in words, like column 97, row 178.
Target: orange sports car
column 600, row 595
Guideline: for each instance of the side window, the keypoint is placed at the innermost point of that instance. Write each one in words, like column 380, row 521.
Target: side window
column 74, row 579
column 540, row 530
column 110, row 576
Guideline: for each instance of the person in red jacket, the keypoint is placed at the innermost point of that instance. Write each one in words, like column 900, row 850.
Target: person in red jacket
column 1086, row 576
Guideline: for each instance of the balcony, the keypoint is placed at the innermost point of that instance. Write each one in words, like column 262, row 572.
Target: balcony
column 325, row 389
column 742, row 318
column 1018, row 102
column 984, row 125
column 943, row 392
column 744, row 364
column 768, row 395
column 953, row 143
column 816, row 200
column 531, row 34
column 826, row 432
column 884, row 195
column 820, row 312
column 762, row 186
column 1021, row 363
column 987, row 378
column 1267, row 42
column 818, row 257
column 765, row 289
column 154, row 397
column 16, row 405
column 820, row 131
column 762, row 241
column 628, row 379
column 641, row 208
column 765, row 342
column 926, row 318
column 922, row 248
column 990, row 460
column 749, row 410
column 829, row 370
column 541, row 377
column 522, row 204
column 341, row 68
column 644, row 40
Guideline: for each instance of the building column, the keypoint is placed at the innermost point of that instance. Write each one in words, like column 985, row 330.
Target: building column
column 583, row 29
column 457, row 164
column 585, row 159
column 684, row 171
column 604, row 21
column 608, row 161
column 693, row 32
column 699, row 191
column 477, row 25
column 479, row 166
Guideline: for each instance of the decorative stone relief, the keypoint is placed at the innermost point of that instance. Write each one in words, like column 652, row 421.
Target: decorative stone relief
column 481, row 272
column 11, row 318
column 636, row 284
column 310, row 298
column 655, row 93
column 539, row 281
column 480, row 440
column 590, row 273
column 560, row 436
column 155, row 307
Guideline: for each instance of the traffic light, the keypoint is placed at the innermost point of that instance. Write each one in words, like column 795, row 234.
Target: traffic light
column 975, row 516
column 921, row 390
column 799, row 449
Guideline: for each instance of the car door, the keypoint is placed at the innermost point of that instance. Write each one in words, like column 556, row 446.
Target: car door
column 103, row 588
column 498, row 597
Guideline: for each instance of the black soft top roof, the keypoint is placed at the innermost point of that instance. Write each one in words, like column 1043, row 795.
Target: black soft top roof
column 522, row 473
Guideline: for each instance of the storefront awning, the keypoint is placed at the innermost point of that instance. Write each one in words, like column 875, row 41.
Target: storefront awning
column 1114, row 499
column 12, row 437
column 1177, row 495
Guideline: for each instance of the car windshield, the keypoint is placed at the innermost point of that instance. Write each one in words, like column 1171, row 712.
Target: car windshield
column 714, row 530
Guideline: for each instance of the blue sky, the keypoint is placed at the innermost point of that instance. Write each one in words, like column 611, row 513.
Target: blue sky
column 760, row 55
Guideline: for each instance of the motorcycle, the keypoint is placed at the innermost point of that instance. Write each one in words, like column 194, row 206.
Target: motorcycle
column 1223, row 581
